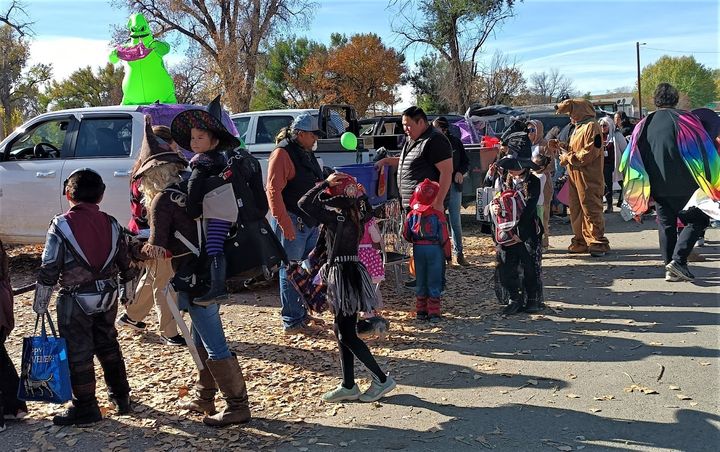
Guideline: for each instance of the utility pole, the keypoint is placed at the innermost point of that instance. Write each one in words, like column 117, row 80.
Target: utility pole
column 637, row 49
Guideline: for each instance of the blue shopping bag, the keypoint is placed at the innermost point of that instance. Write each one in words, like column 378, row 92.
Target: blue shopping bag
column 44, row 369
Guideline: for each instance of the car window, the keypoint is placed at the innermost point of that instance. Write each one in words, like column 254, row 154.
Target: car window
column 48, row 133
column 104, row 137
column 241, row 124
column 269, row 126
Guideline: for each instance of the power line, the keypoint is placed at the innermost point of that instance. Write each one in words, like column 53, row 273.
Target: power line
column 677, row 51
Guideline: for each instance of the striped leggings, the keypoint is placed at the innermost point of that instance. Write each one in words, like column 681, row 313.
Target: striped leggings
column 217, row 231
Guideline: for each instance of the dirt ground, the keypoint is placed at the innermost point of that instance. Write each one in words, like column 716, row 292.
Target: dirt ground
column 575, row 377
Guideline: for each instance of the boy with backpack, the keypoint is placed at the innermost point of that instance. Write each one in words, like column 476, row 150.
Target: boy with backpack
column 426, row 228
column 84, row 251
column 518, row 230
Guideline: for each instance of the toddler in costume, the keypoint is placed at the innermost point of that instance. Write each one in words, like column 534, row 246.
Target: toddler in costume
column 426, row 228
column 371, row 256
column 204, row 133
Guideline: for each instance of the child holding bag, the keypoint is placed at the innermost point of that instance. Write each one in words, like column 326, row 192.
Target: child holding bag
column 84, row 251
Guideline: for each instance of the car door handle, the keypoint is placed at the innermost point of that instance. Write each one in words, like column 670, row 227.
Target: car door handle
column 121, row 173
column 45, row 174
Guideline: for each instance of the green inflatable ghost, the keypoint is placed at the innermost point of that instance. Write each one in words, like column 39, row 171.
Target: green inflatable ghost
column 146, row 79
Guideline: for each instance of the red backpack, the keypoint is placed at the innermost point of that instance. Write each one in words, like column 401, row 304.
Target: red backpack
column 511, row 204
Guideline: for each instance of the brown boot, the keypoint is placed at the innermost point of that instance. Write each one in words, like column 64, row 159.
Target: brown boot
column 230, row 380
column 203, row 401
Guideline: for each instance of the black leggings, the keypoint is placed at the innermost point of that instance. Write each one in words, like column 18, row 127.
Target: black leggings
column 350, row 347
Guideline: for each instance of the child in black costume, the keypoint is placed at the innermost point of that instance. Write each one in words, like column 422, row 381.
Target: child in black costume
column 526, row 292
column 336, row 204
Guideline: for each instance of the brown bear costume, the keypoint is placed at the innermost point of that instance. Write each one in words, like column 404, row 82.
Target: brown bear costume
column 584, row 162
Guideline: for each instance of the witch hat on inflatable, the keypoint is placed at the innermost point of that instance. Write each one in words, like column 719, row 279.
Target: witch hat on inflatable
column 210, row 119
column 155, row 151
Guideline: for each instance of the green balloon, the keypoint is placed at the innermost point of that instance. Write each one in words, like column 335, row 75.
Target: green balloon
column 348, row 140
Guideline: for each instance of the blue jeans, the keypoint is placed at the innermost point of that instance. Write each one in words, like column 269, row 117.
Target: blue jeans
column 207, row 329
column 292, row 307
column 454, row 206
column 429, row 270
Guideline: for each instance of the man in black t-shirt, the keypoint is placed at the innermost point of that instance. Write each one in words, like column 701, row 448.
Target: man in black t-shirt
column 425, row 154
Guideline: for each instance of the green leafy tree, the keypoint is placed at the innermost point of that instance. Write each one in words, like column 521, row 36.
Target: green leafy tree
column 19, row 85
column 285, row 81
column 684, row 73
column 456, row 30
column 87, row 88
column 430, row 86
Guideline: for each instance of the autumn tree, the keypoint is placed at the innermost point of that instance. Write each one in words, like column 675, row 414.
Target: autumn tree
column 684, row 73
column 86, row 88
column 19, row 85
column 230, row 33
column 455, row 29
column 365, row 72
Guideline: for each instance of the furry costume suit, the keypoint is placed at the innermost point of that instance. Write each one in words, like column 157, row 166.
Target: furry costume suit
column 584, row 163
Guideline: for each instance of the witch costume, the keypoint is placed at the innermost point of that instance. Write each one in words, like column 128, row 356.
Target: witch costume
column 349, row 286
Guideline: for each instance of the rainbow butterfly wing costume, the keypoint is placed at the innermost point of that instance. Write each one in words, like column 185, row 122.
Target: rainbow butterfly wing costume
column 699, row 153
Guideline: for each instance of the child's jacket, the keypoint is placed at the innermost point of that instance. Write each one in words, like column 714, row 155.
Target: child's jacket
column 427, row 228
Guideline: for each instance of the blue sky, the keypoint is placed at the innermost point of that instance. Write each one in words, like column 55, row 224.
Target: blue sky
column 591, row 42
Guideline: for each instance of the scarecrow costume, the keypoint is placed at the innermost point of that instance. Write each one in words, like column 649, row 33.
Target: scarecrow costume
column 173, row 233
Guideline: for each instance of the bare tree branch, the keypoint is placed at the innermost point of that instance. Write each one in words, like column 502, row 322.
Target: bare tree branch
column 11, row 17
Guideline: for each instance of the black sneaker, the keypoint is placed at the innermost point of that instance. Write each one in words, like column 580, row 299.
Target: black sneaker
column 513, row 307
column 122, row 404
column 126, row 321
column 177, row 340
column 79, row 416
column 421, row 315
column 679, row 270
column 435, row 318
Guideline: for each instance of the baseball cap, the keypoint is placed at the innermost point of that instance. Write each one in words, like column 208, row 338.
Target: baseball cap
column 306, row 122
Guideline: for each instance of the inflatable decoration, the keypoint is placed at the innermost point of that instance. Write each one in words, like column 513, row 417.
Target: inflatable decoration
column 146, row 79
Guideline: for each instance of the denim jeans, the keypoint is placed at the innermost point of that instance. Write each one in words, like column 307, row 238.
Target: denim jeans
column 454, row 206
column 292, row 308
column 207, row 329
column 429, row 270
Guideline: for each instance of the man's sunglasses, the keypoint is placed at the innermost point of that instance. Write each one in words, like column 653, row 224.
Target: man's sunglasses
column 532, row 130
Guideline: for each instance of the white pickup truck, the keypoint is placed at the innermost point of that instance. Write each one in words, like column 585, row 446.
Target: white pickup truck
column 37, row 157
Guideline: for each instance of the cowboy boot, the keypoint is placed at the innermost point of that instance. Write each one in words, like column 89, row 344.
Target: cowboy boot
column 203, row 400
column 421, row 308
column 217, row 292
column 229, row 378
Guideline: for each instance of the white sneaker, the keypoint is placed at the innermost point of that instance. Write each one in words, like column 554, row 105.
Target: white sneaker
column 700, row 242
column 377, row 390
